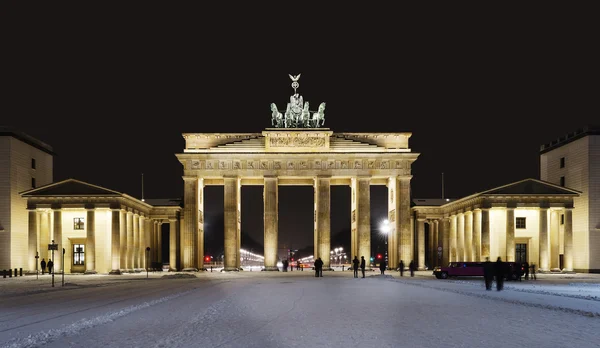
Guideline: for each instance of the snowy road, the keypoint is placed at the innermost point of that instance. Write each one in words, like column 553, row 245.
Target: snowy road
column 295, row 310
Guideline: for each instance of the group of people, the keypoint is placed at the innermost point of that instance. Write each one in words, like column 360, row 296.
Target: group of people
column 355, row 265
column 498, row 270
column 50, row 264
column 411, row 267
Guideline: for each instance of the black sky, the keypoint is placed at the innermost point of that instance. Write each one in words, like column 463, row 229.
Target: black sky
column 112, row 89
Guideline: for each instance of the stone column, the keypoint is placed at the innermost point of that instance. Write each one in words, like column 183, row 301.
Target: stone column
column 57, row 260
column 568, row 256
column 460, row 233
column 453, row 238
column 154, row 247
column 136, row 242
column 148, row 228
column 44, row 235
column 322, row 225
column 394, row 221
column 554, row 242
column 142, row 246
column 90, row 242
column 446, row 222
column 123, row 240
column 189, row 233
column 476, row 235
column 238, row 259
column 543, row 266
column 115, row 242
column 485, row 234
column 159, row 244
column 469, row 236
column 436, row 243
column 231, row 213
column 200, row 224
column 271, row 221
column 510, row 235
column 130, row 242
column 403, row 222
column 430, row 244
column 361, row 218
column 173, row 245
column 421, row 243
column 32, row 242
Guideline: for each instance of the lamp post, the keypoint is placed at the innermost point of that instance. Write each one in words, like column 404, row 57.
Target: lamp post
column 385, row 229
column 147, row 253
column 37, row 256
column 63, row 264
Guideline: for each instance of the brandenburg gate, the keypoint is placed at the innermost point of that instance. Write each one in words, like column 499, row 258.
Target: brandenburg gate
column 298, row 150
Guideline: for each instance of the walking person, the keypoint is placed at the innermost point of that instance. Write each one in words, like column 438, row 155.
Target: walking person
column 382, row 267
column 411, row 268
column 362, row 265
column 500, row 271
column 401, row 268
column 488, row 273
column 533, row 271
column 355, row 263
column 526, row 269
column 43, row 264
column 50, row 265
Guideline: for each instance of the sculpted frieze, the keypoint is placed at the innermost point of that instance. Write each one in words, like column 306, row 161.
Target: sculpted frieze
column 297, row 142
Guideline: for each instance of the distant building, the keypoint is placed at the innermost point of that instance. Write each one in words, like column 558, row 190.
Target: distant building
column 574, row 161
column 25, row 163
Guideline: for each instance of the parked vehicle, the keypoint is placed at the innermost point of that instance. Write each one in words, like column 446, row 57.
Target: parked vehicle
column 475, row 269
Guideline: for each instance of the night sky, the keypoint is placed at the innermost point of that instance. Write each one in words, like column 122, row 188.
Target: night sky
column 113, row 89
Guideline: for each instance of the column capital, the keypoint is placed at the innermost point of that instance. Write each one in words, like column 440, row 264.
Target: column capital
column 189, row 178
column 172, row 220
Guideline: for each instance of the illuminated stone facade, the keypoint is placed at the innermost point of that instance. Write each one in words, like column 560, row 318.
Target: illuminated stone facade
column 574, row 161
column 314, row 157
column 101, row 230
column 516, row 222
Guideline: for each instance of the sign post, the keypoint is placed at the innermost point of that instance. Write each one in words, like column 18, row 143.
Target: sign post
column 53, row 247
column 37, row 274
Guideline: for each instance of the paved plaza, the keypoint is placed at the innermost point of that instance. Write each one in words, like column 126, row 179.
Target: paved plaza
column 295, row 309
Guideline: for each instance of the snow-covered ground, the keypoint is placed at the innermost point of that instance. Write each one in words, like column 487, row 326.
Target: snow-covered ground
column 295, row 309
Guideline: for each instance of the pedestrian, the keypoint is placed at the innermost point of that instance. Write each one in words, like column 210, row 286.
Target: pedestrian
column 362, row 265
column 355, row 263
column 382, row 267
column 411, row 268
column 318, row 265
column 526, row 268
column 488, row 273
column 401, row 268
column 533, row 271
column 297, row 265
column 50, row 265
column 43, row 264
column 500, row 271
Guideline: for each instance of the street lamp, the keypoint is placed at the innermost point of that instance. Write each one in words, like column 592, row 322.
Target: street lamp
column 385, row 229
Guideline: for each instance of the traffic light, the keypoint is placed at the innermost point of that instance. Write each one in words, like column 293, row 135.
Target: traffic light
column 379, row 256
column 292, row 259
column 371, row 258
column 207, row 258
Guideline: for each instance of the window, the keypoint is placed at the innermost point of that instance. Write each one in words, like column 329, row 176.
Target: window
column 78, row 254
column 562, row 219
column 32, row 182
column 33, row 163
column 562, row 181
column 78, row 223
column 562, row 162
column 521, row 222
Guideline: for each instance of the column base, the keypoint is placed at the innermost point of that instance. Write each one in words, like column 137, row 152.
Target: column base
column 130, row 271
column 190, row 269
column 115, row 271
column 270, row 269
column 139, row 270
column 568, row 271
column 90, row 272
column 421, row 269
column 230, row 269
column 327, row 269
column 172, row 270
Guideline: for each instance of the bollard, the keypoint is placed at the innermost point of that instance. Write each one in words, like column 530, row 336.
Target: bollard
column 21, row 272
column 15, row 272
column 10, row 273
column 4, row 273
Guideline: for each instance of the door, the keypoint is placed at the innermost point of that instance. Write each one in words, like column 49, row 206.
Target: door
column 521, row 253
